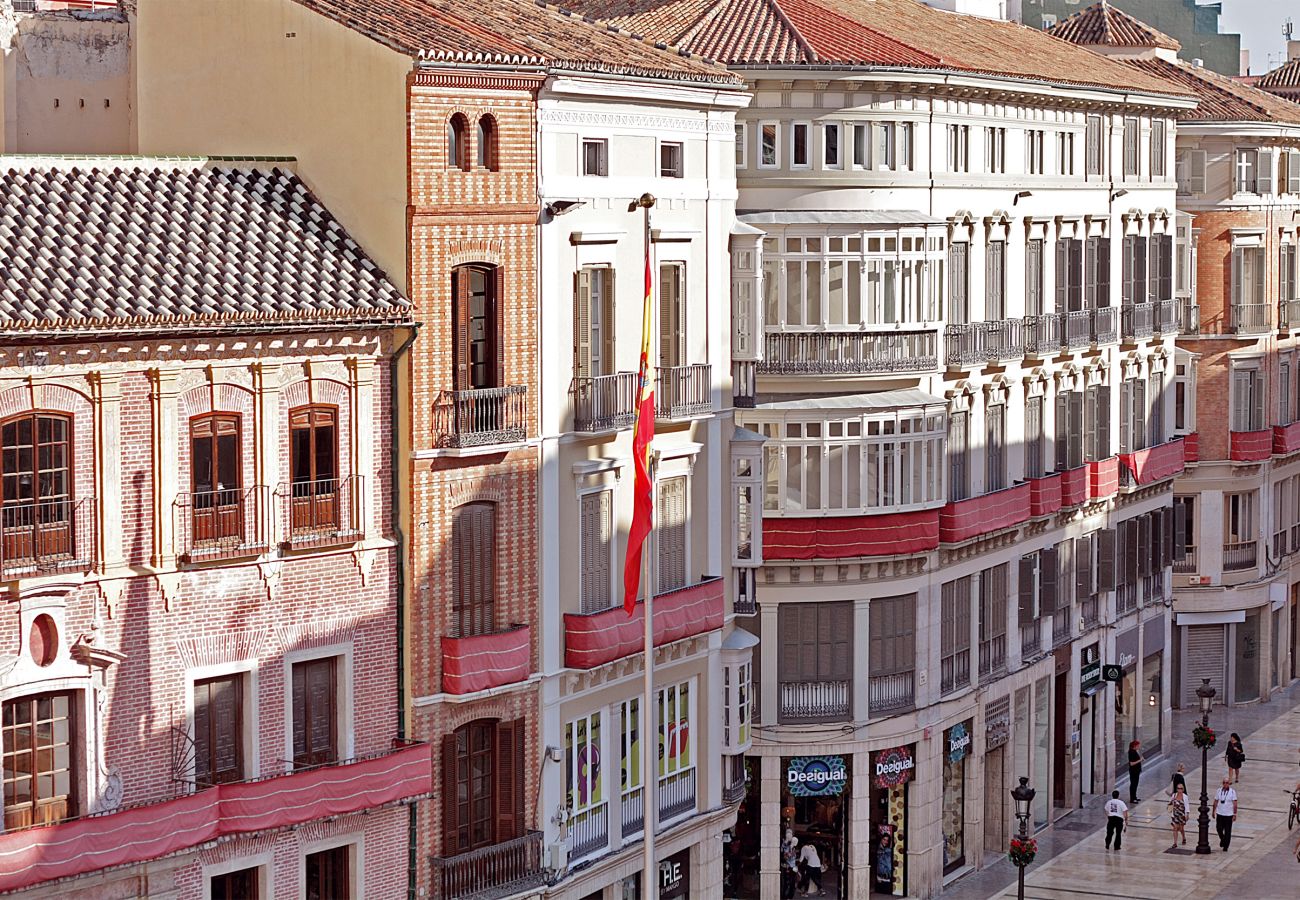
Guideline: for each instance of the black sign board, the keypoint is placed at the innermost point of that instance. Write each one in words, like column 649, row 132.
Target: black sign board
column 1112, row 673
column 675, row 876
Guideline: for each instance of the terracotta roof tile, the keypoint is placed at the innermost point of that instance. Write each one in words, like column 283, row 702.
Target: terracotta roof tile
column 509, row 32
column 116, row 242
column 1221, row 99
column 1103, row 25
column 1286, row 75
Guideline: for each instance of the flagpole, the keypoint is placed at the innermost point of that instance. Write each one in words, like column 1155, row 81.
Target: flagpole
column 649, row 744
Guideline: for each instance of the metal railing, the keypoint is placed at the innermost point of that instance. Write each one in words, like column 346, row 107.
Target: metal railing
column 891, row 693
column 481, row 417
column 1281, row 543
column 954, row 671
column 604, row 402
column 1126, row 597
column 633, row 809
column 1153, row 588
column 322, row 511
column 975, row 343
column 1288, row 313
column 1250, row 318
column 993, row 655
column 1062, row 625
column 1167, row 318
column 495, row 871
column 683, row 391
column 44, row 536
column 221, row 523
column 1076, row 329
column 813, row 701
column 1090, row 612
column 1105, row 328
column 1239, row 555
column 1138, row 321
column 849, row 352
column 1042, row 334
column 676, row 794
column 1295, row 537
column 733, row 771
column 1188, row 563
column 1189, row 316
column 1031, row 640
column 588, row 831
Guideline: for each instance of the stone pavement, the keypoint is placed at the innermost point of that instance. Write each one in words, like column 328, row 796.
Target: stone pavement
column 1073, row 863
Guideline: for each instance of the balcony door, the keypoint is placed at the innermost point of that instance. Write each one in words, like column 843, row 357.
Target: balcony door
column 314, row 468
column 476, row 310
column 483, row 785
column 215, row 459
column 473, row 541
column 36, row 515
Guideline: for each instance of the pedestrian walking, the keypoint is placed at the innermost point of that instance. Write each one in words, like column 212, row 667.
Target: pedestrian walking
column 1179, row 778
column 1225, row 812
column 1116, row 819
column 1180, row 810
column 811, row 863
column 1134, row 770
column 1235, row 754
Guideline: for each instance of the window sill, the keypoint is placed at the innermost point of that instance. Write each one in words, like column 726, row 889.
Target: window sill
column 315, row 541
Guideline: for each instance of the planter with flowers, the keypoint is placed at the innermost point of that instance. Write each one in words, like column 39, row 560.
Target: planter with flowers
column 1023, row 851
column 1203, row 737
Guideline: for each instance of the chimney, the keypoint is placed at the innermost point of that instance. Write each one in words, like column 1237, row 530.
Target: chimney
column 1244, row 63
column 1199, row 63
column 1292, row 50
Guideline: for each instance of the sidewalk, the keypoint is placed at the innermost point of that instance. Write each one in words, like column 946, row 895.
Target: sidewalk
column 1072, row 860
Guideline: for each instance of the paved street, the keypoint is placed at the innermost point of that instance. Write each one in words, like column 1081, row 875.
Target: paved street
column 1073, row 861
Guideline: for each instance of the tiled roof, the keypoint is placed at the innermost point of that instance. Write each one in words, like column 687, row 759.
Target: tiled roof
column 113, row 242
column 1103, row 25
column 510, row 32
column 1286, row 75
column 1221, row 99
column 891, row 33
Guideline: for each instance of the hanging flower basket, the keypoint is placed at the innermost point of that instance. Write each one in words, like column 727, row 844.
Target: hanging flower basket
column 1023, row 851
column 1203, row 738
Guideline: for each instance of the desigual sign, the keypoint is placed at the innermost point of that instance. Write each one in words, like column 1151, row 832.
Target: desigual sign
column 894, row 767
column 958, row 742
column 816, row 776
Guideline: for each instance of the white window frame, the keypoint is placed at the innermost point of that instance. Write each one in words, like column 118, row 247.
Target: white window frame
column 836, row 128
column 1065, row 162
column 884, row 147
column 807, row 129
column 995, row 150
column 1035, row 151
column 263, row 862
column 681, row 159
column 692, row 737
column 249, row 671
column 355, row 841
column 345, row 697
column 860, row 138
column 596, row 715
column 636, row 774
column 603, row 167
column 1187, row 379
column 1245, row 172
column 742, row 145
column 776, row 144
column 958, row 140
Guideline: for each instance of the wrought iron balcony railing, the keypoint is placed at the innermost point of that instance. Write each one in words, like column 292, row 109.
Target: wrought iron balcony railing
column 481, row 417
column 850, row 352
column 683, row 391
column 221, row 523
column 604, row 402
column 498, row 870
column 977, row 343
column 324, row 511
column 47, row 536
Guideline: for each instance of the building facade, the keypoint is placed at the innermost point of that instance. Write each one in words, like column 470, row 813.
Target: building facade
column 196, row 539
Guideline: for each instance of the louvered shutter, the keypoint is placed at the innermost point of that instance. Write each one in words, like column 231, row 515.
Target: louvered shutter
column 451, row 791
column 1090, row 422
column 1076, row 275
column 1103, row 273
column 1062, row 275
column 1126, row 416
column 1155, row 550
column 509, row 780
column 1026, row 612
column 1106, row 545
column 582, row 323
column 670, row 330
column 1034, row 278
column 995, row 308
column 1076, row 428
column 1048, row 576
column 837, row 642
column 672, row 534
column 1181, row 531
column 460, row 312
column 1196, row 181
column 1257, row 289
column 1139, row 413
column 1166, row 267
column 608, row 324
column 1293, row 172
column 1238, row 259
column 1062, row 425
column 1264, row 184
column 497, row 346
column 1167, row 552
column 596, row 534
column 1083, row 575
column 1132, row 552
column 1090, row 267
column 1139, row 270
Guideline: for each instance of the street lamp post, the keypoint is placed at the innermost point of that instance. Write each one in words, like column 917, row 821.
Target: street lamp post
column 1206, row 695
column 1023, row 795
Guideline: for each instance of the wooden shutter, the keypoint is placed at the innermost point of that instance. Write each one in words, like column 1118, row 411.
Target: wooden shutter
column 1142, row 545
column 1076, row 428
column 596, row 534
column 1034, row 278
column 1257, row 289
column 1166, row 291
column 671, row 530
column 1196, row 166
column 1090, row 422
column 1106, row 546
column 474, row 571
column 1103, row 421
column 1132, row 542
column 1181, row 530
column 1026, row 612
column 1238, row 259
column 460, row 282
column 835, row 640
column 509, row 780
column 608, row 324
column 582, row 323
column 450, row 797
column 1090, row 272
column 314, row 707
column 1126, row 416
column 995, row 307
column 1103, row 273
column 672, row 315
column 1062, row 436
column 1264, row 183
column 1083, row 573
column 1048, row 576
column 497, row 285
column 1129, row 265
column 1076, row 275
column 1293, row 172
column 1062, row 275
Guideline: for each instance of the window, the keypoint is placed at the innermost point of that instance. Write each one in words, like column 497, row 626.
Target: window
column 1288, row 283
column 815, row 647
column 629, row 734
column 1049, row 21
column 315, row 712
column 995, row 150
column 954, row 664
column 595, row 156
column 327, row 874
column 1284, row 416
column 672, row 318
column 36, row 488
column 1069, row 430
column 1035, row 163
column 861, row 145
column 1189, row 171
column 1184, row 398
column 584, row 786
column 676, row 759
column 1134, row 270
column 458, row 142
column 1069, row 275
column 1239, row 530
column 742, row 138
column 995, row 281
column 958, row 148
column 40, row 759
column 473, row 541
column 1132, row 139
column 486, row 145
column 995, row 447
column 831, row 146
column 593, row 322
column 1288, row 172
column 1160, row 272
column 596, row 535
column 884, row 152
column 1065, row 153
column 1132, row 415
column 1248, row 275
column 670, row 534
column 1034, row 277
column 670, row 160
column 892, row 653
column 1156, row 399
column 242, row 884
column 799, row 155
column 1247, row 398
column 1034, row 437
column 216, row 461
column 1096, row 422
column 905, row 146
column 1158, row 149
column 1247, row 171
column 1093, row 141
column 219, row 730
column 314, row 469
column 958, row 455
column 483, row 784
column 768, row 137
column 1185, row 528
column 476, row 341
column 993, row 619
column 1096, row 255
column 958, row 283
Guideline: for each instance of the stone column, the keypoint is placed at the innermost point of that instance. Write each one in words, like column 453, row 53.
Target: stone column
column 361, row 371
column 266, row 458
column 165, row 434
column 770, row 827
column 859, row 823
column 106, row 394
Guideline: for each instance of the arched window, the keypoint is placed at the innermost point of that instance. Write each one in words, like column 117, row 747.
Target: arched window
column 487, row 143
column 483, row 784
column 473, row 551
column 314, row 468
column 36, row 490
column 458, row 142
column 216, row 462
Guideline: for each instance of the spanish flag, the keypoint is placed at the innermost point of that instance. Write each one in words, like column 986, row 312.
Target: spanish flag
column 642, row 486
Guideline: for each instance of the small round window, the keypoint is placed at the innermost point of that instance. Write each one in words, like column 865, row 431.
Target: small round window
column 44, row 641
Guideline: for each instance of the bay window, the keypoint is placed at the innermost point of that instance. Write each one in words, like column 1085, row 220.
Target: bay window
column 40, row 774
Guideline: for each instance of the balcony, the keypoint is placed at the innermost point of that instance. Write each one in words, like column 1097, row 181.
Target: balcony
column 1288, row 314
column 1042, row 335
column 594, row 639
column 993, row 655
column 588, row 831
column 1250, row 318
column 1090, row 612
column 1143, row 467
column 1031, row 640
column 1044, row 495
column 149, row 831
column 485, row 661
column 604, row 402
column 1076, row 329
column 985, row 514
column 978, row 343
column 1286, row 439
column 1239, row 555
column 1104, row 330
column 891, row 693
column 814, row 701
column 1189, row 316
column 1191, row 448
column 850, row 352
column 1074, row 486
column 491, row 872
column 321, row 512
column 683, row 392
column 676, row 794
column 1137, row 321
column 840, row 537
column 1062, row 626
column 1103, row 477
column 1250, row 446
column 733, row 785
column 633, row 806
column 220, row 524
column 1166, row 317
column 47, row 536
column 483, row 417
column 1186, row 565
column 954, row 671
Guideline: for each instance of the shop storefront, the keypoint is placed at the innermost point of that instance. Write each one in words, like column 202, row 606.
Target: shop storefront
column 743, row 862
column 1042, row 771
column 1246, row 647
column 1128, row 699
column 956, row 742
column 1153, row 659
column 997, row 732
column 892, row 771
column 815, row 805
column 675, row 876
column 1091, row 726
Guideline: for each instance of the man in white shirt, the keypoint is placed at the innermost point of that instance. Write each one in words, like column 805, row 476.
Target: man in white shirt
column 1225, row 813
column 812, row 869
column 1116, row 819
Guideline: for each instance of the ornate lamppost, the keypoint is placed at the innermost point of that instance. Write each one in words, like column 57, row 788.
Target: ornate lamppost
column 1203, row 737
column 1023, row 847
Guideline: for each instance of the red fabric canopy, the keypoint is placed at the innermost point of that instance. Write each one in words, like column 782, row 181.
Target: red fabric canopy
column 844, row 537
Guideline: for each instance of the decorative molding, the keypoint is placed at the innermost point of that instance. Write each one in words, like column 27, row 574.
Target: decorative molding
column 219, row 649
column 487, row 250
column 552, row 116
column 169, row 584
column 476, row 81
column 490, row 488
column 316, row 634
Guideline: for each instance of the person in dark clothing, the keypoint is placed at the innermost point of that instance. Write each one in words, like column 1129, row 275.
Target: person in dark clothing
column 1134, row 770
column 1179, row 777
column 1234, row 755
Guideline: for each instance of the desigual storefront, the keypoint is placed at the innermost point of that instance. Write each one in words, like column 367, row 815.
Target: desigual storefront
column 956, row 744
column 815, row 808
column 892, row 772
